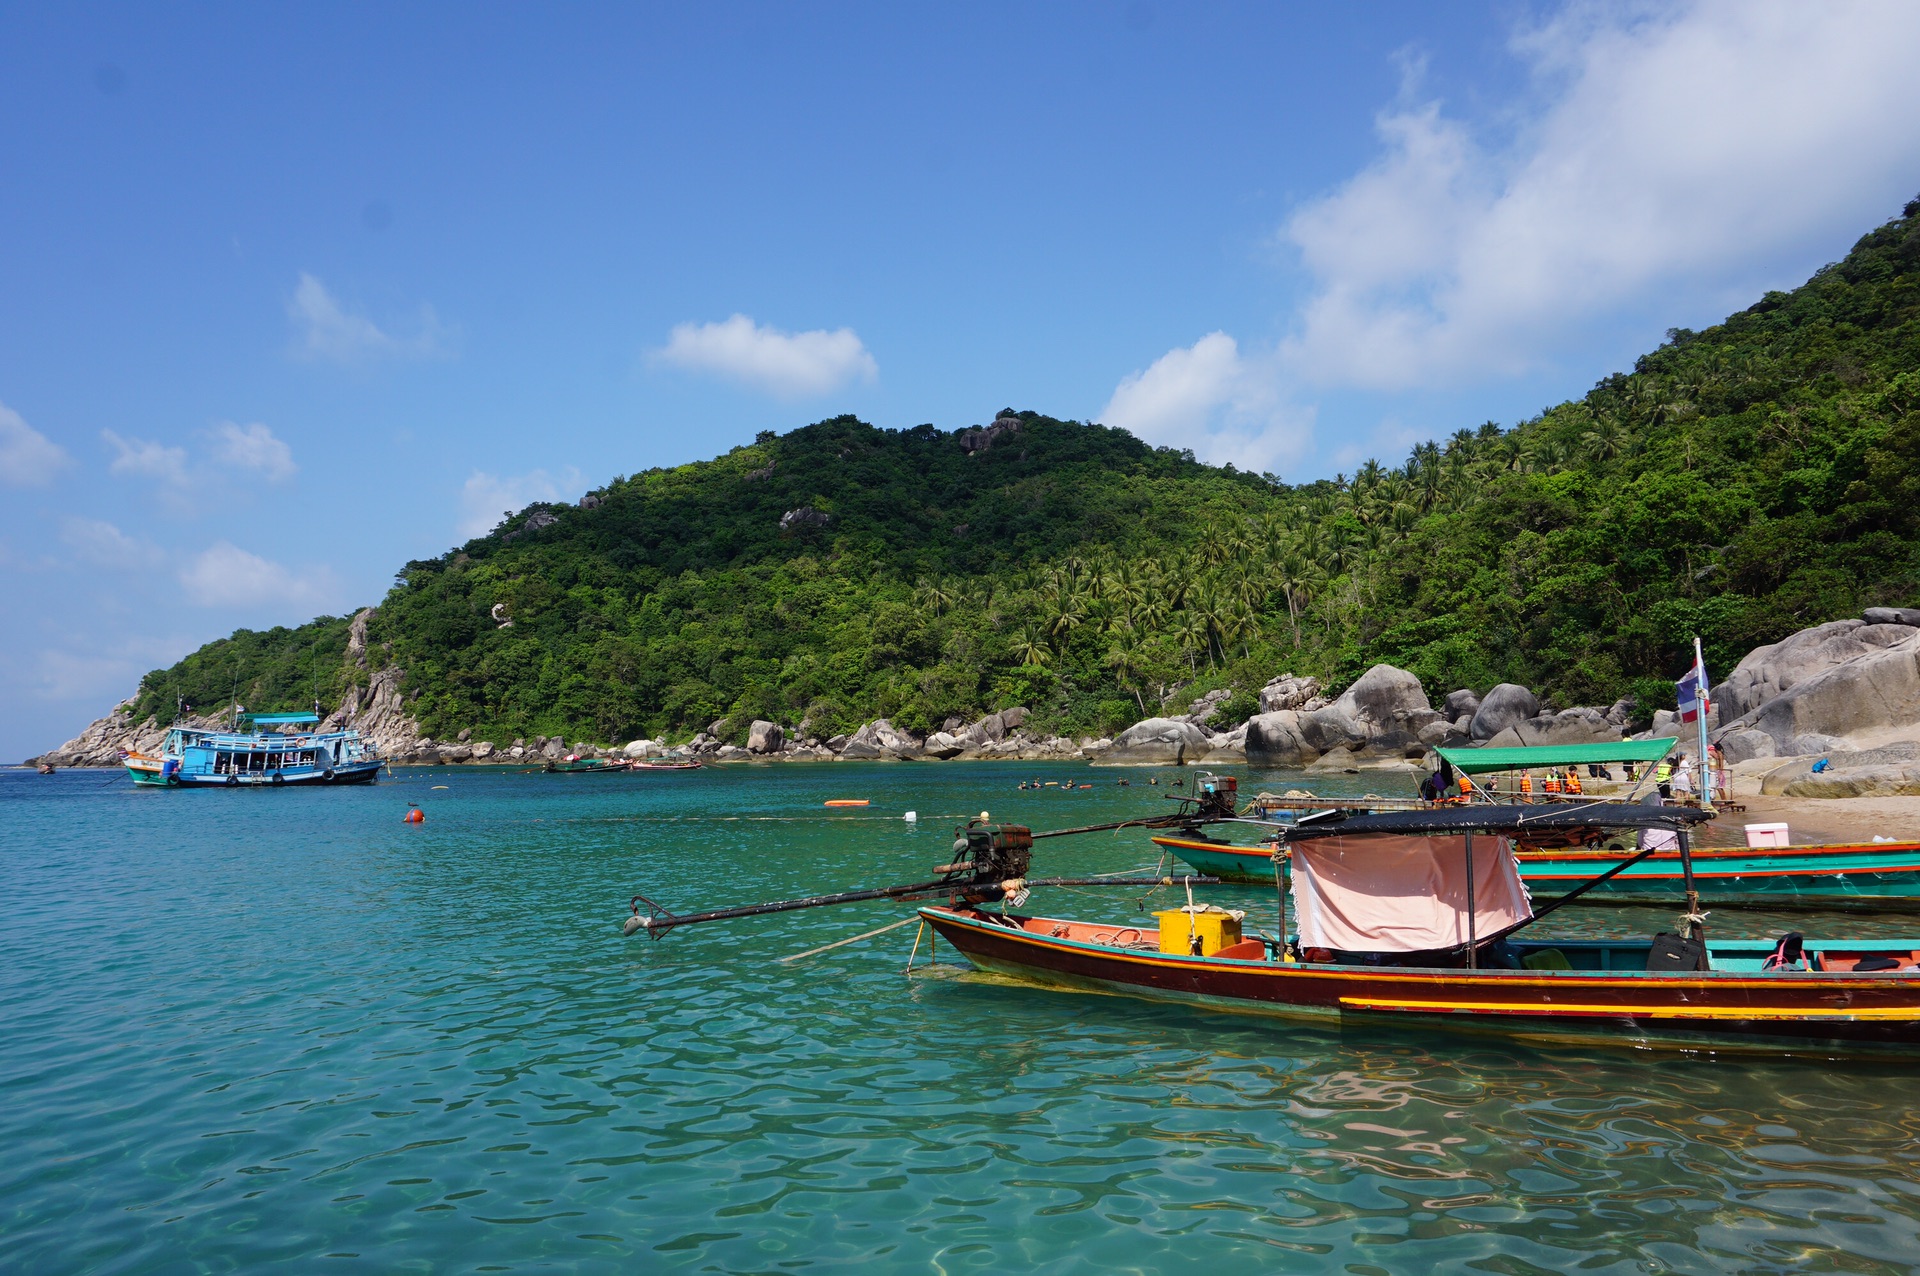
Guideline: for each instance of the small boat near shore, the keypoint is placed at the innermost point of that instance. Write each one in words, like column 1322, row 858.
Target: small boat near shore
column 664, row 764
column 273, row 753
column 1881, row 875
column 586, row 766
column 1414, row 917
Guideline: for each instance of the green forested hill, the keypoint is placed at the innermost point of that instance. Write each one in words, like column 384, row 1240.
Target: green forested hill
column 1740, row 482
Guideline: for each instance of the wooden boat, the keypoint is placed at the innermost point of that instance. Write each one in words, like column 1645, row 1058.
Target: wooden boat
column 1607, row 992
column 586, row 766
column 1401, row 920
column 1859, row 874
column 1876, row 874
column 1880, row 875
column 663, row 765
column 266, row 749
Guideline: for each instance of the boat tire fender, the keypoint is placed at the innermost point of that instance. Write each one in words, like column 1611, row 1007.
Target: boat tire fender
column 278, row 778
column 232, row 778
column 327, row 774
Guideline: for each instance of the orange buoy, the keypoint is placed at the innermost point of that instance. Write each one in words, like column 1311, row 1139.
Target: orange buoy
column 846, row 801
column 414, row 815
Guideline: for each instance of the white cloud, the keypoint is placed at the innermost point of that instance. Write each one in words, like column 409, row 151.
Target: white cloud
column 789, row 365
column 101, row 544
column 1669, row 147
column 488, row 498
column 1212, row 399
column 225, row 575
column 327, row 330
column 253, row 447
column 148, row 459
column 28, row 458
column 98, row 668
column 1667, row 159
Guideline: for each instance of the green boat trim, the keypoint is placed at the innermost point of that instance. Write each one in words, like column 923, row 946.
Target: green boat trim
column 1883, row 874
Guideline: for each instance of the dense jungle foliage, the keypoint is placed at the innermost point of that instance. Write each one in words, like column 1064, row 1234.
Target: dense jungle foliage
column 1739, row 483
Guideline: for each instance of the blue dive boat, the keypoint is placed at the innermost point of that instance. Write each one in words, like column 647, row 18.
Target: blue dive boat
column 265, row 748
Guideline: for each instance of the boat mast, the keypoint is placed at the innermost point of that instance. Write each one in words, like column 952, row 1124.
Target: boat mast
column 1700, row 718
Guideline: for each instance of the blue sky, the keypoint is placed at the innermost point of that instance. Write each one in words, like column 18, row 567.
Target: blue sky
column 292, row 294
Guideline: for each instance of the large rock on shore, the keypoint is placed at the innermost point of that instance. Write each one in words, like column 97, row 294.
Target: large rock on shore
column 765, row 737
column 1507, row 705
column 1843, row 767
column 1385, row 701
column 1288, row 692
column 1583, row 725
column 1875, row 691
column 1331, row 727
column 880, row 739
column 1158, row 741
column 1276, row 739
column 1769, row 672
column 1745, row 745
column 1888, row 780
column 942, row 744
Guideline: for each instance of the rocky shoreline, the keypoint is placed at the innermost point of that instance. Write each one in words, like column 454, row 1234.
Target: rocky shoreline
column 1846, row 692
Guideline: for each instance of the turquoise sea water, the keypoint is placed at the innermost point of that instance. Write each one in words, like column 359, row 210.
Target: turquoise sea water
column 283, row 1029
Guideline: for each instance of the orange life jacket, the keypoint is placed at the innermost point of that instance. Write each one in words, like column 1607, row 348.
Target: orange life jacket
column 1553, row 782
column 1573, row 782
column 1526, row 781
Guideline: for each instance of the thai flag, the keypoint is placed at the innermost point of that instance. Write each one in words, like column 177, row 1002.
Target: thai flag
column 1691, row 690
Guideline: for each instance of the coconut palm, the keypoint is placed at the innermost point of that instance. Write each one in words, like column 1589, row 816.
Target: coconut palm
column 1031, row 647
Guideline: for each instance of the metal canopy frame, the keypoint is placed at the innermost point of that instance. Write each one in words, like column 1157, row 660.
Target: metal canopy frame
column 1477, row 761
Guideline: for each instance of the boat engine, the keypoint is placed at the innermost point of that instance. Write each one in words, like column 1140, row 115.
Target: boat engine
column 984, row 852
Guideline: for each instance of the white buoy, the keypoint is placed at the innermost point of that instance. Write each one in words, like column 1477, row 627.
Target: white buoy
column 912, row 817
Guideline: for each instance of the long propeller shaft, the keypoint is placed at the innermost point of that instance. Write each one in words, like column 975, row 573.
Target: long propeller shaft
column 659, row 921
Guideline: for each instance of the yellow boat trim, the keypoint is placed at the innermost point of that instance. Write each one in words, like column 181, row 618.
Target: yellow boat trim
column 1566, row 981
column 1895, row 1013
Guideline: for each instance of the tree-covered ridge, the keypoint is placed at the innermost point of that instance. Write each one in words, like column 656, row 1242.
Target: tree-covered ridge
column 1741, row 483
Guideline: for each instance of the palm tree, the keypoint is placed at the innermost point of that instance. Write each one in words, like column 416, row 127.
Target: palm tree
column 1290, row 574
column 1031, row 647
column 1190, row 631
column 934, row 593
column 1605, row 440
column 1128, row 662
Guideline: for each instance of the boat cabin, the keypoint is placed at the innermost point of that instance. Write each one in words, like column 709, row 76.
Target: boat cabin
column 266, row 748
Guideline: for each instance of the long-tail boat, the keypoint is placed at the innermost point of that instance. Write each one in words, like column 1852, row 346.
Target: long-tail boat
column 586, row 766
column 1416, row 917
column 263, row 749
column 1878, row 875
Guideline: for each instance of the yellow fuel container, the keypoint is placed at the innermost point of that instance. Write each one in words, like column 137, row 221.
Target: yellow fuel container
column 1216, row 928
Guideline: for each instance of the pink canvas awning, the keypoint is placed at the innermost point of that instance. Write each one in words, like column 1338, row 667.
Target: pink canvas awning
column 1396, row 894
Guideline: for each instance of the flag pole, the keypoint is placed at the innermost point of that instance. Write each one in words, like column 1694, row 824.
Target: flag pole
column 1705, row 772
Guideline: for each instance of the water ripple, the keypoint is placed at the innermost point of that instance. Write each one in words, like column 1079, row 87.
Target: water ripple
column 276, row 1029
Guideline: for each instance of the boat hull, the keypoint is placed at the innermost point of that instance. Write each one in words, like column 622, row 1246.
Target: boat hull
column 1876, row 874
column 1817, row 1013
column 346, row 773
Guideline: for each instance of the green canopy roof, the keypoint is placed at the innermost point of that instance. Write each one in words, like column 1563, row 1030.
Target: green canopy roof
column 279, row 719
column 1475, row 761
